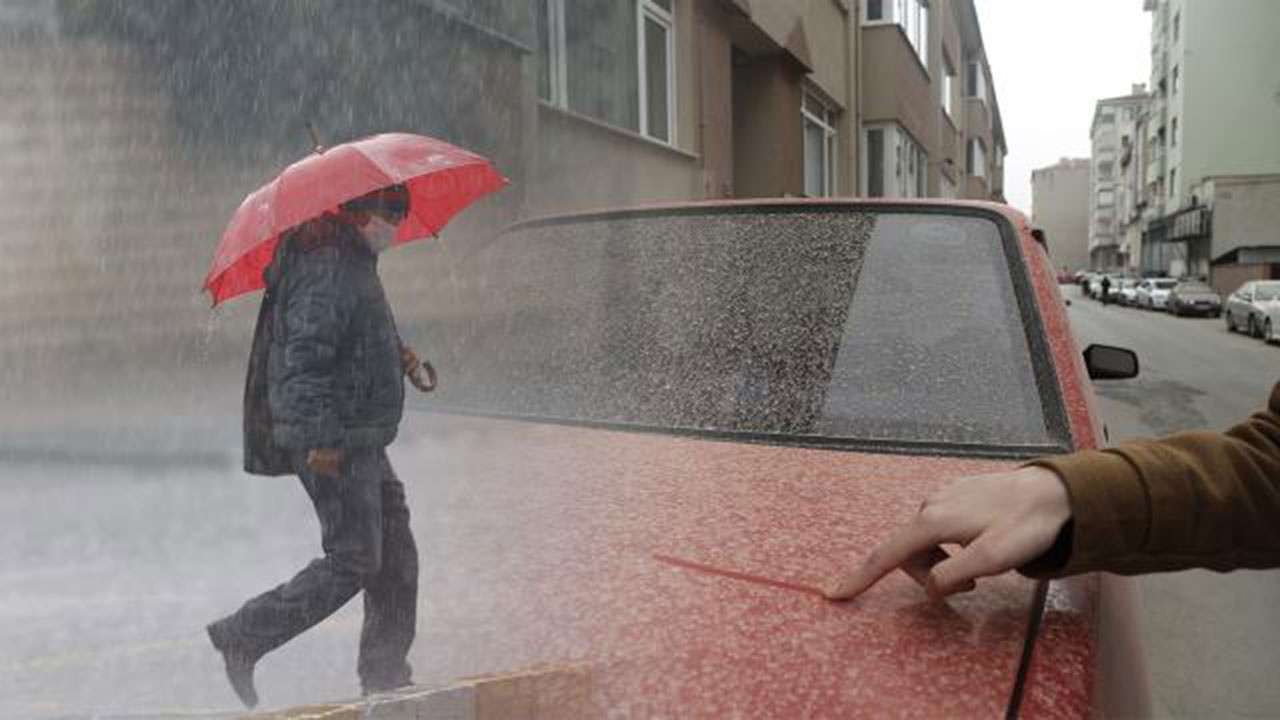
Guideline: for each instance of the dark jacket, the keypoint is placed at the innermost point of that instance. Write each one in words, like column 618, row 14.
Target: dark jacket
column 1196, row 499
column 325, row 369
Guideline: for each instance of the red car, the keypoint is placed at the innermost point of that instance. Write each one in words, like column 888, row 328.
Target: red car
column 659, row 431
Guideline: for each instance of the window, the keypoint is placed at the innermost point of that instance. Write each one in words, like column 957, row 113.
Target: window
column 1175, row 82
column 1106, row 197
column 895, row 164
column 819, row 146
column 875, row 162
column 551, row 69
column 610, row 61
column 1173, row 132
column 1177, row 25
column 948, row 86
column 976, row 84
column 911, row 15
column 657, row 71
column 976, row 158
column 1173, row 181
column 885, row 326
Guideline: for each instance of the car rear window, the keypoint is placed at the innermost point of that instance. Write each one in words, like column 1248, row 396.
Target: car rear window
column 1267, row 291
column 1165, row 284
column 790, row 325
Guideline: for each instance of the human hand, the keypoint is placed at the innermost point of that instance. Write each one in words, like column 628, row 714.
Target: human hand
column 325, row 461
column 1003, row 520
column 414, row 367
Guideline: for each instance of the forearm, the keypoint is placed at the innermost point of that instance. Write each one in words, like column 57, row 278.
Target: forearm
column 1196, row 499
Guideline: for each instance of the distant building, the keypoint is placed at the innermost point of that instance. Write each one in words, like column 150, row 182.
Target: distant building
column 1214, row 122
column 1109, row 136
column 1060, row 207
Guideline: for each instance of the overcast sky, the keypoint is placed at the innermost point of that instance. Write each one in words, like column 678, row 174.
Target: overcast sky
column 1051, row 60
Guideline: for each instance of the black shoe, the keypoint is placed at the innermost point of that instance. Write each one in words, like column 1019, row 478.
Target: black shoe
column 239, row 669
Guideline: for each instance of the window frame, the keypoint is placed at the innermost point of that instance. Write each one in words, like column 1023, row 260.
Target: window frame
column 973, row 147
column 904, row 162
column 948, row 87
column 911, row 16
column 557, row 52
column 976, row 80
column 830, row 137
column 647, row 10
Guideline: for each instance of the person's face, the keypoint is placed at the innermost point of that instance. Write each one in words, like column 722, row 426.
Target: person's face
column 380, row 229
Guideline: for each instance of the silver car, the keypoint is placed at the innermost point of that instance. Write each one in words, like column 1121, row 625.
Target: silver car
column 1153, row 293
column 1247, row 308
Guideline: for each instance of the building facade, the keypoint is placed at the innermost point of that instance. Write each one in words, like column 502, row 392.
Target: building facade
column 177, row 111
column 1060, row 207
column 1114, row 120
column 1213, row 118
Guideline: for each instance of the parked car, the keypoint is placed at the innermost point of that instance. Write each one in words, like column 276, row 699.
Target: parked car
column 1128, row 293
column 1153, row 293
column 1247, row 307
column 652, row 467
column 1271, row 325
column 1194, row 298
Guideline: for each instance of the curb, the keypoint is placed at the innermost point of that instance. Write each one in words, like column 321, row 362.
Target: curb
column 543, row 691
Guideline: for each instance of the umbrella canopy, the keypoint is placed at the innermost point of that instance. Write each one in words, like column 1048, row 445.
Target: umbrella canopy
column 442, row 179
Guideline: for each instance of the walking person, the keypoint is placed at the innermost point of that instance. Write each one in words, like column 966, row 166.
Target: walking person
column 1105, row 296
column 324, row 396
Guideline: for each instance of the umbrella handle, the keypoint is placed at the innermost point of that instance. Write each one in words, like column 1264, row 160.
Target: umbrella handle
column 317, row 146
column 427, row 385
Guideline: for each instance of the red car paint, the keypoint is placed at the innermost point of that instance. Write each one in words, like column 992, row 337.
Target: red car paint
column 682, row 575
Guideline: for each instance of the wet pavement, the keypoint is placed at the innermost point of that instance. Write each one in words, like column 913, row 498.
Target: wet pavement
column 1213, row 640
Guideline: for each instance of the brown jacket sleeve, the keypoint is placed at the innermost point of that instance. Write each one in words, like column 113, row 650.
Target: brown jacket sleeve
column 1196, row 499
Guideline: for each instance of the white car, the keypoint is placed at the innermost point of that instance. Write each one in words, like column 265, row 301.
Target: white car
column 1250, row 307
column 1128, row 292
column 1271, row 326
column 1153, row 293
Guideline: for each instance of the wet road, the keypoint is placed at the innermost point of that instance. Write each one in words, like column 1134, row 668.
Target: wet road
column 1213, row 640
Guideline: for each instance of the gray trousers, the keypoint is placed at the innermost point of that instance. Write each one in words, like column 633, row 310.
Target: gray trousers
column 368, row 545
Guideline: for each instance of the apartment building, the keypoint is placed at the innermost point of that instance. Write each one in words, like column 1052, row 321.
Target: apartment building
column 1212, row 124
column 1109, row 135
column 179, row 110
column 1060, row 207
column 930, row 120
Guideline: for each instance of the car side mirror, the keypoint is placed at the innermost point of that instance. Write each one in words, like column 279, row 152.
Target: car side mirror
column 1106, row 362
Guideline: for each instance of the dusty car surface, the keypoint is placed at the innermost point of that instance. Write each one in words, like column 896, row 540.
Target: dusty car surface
column 672, row 425
column 1248, row 308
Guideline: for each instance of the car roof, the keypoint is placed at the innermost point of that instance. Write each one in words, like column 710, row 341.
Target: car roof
column 883, row 204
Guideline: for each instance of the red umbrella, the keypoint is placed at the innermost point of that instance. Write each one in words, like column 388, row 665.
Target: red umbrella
column 442, row 180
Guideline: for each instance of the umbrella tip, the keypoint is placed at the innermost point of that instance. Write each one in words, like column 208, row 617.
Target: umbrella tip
column 316, row 145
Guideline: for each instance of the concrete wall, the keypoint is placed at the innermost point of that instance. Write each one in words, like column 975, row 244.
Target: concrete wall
column 1226, row 278
column 768, row 153
column 896, row 87
column 1060, row 207
column 583, row 164
column 122, row 166
column 1229, row 105
column 1246, row 213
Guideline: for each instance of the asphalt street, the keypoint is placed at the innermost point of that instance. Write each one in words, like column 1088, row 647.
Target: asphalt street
column 1213, row 640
